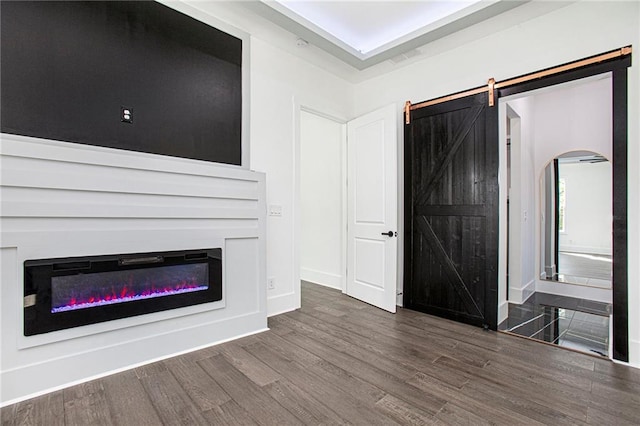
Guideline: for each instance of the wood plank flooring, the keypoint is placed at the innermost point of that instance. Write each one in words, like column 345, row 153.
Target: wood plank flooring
column 340, row 361
column 582, row 268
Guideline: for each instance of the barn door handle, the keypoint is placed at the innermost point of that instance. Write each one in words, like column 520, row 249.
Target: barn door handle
column 388, row 234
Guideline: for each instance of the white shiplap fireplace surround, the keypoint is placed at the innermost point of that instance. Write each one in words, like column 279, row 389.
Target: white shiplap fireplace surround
column 65, row 200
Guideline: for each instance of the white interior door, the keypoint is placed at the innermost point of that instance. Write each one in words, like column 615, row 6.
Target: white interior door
column 372, row 208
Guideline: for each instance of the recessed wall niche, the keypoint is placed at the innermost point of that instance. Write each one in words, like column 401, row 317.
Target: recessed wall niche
column 135, row 75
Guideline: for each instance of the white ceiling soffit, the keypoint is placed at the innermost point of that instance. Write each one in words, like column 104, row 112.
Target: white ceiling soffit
column 365, row 33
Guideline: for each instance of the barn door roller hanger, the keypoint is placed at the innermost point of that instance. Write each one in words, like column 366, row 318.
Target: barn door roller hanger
column 492, row 86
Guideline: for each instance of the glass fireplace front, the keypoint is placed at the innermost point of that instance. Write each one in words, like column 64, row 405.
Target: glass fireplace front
column 70, row 292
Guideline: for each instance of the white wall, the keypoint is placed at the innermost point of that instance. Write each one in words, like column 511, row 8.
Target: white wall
column 281, row 85
column 588, row 215
column 321, row 192
column 278, row 85
column 64, row 200
column 552, row 121
column 522, row 212
column 500, row 50
column 573, row 117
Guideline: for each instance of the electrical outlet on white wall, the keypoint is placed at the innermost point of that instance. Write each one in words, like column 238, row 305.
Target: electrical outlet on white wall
column 271, row 283
column 275, row 210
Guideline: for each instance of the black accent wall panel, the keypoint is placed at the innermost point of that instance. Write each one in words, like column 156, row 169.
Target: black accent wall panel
column 68, row 69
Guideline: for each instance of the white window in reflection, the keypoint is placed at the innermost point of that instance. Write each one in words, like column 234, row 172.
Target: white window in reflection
column 561, row 204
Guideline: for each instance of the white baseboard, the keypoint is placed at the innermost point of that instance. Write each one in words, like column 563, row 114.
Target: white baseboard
column 59, row 373
column 520, row 295
column 574, row 290
column 326, row 279
column 503, row 311
column 634, row 353
column 282, row 303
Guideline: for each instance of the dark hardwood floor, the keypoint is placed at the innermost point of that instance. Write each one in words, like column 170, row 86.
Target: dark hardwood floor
column 340, row 361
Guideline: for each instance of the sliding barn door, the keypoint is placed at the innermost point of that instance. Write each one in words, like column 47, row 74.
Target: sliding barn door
column 451, row 211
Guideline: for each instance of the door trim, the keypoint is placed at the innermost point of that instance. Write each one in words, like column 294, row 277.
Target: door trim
column 620, row 226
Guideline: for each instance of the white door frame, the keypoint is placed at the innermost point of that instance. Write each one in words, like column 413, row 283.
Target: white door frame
column 298, row 107
column 310, row 107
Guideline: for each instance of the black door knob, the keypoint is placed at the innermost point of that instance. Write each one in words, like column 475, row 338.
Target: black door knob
column 388, row 234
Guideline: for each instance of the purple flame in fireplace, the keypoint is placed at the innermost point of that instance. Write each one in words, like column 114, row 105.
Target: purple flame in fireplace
column 82, row 291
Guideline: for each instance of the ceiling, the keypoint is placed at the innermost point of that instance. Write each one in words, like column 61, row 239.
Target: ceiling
column 365, row 33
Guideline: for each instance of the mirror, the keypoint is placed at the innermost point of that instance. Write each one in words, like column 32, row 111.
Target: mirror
column 576, row 217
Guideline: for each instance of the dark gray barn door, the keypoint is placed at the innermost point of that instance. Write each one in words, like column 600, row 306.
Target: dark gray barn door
column 451, row 211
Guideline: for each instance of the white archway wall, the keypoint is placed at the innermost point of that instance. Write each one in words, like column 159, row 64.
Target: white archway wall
column 575, row 118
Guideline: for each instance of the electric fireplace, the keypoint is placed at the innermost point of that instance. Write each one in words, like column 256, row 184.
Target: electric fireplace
column 71, row 292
